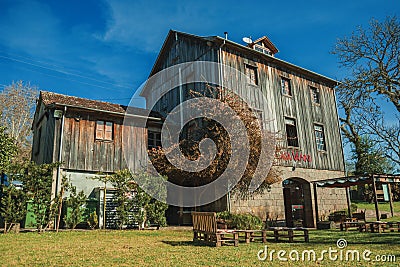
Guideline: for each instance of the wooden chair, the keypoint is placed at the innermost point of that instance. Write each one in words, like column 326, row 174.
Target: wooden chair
column 205, row 228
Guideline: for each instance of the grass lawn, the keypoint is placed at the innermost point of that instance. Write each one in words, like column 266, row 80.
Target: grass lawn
column 383, row 207
column 175, row 248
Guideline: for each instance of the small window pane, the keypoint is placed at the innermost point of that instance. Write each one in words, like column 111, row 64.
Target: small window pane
column 319, row 137
column 154, row 140
column 286, row 87
column 291, row 132
column 108, row 131
column 100, row 130
column 251, row 73
column 315, row 97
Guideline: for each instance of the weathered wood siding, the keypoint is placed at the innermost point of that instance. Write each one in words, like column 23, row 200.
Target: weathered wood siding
column 299, row 106
column 81, row 151
column 180, row 51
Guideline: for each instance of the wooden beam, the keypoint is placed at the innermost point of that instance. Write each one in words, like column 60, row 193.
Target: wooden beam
column 348, row 201
column 375, row 198
column 316, row 202
column 390, row 199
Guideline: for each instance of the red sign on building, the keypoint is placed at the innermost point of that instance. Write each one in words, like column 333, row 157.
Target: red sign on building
column 294, row 156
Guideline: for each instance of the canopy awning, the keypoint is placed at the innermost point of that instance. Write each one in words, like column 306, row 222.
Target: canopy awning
column 348, row 181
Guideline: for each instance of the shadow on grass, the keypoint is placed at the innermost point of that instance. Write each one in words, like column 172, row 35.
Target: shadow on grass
column 354, row 237
column 187, row 243
column 320, row 237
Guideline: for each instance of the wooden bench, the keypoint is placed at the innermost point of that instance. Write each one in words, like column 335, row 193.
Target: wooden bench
column 205, row 229
column 251, row 235
column 377, row 226
column 290, row 233
column 393, row 226
column 347, row 225
column 356, row 221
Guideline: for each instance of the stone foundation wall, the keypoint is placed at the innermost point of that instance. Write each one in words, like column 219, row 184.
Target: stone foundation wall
column 270, row 205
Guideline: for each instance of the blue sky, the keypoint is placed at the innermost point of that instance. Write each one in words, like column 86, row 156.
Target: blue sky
column 105, row 49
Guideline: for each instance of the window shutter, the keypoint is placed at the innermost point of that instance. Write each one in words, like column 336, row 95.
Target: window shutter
column 108, row 131
column 100, row 130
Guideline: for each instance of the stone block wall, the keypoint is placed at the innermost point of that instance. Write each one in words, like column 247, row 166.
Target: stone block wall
column 270, row 205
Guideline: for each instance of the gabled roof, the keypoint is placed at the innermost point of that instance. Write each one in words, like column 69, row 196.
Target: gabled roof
column 50, row 99
column 172, row 35
column 267, row 43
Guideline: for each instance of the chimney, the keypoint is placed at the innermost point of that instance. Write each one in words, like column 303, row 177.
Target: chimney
column 226, row 35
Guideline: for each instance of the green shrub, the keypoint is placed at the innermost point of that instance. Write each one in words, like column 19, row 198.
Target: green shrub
column 76, row 202
column 93, row 221
column 353, row 208
column 241, row 221
column 155, row 212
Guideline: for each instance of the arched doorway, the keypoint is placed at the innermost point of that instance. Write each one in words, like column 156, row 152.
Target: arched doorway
column 298, row 203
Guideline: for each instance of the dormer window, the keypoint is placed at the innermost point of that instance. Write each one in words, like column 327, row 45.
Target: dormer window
column 262, row 49
column 264, row 45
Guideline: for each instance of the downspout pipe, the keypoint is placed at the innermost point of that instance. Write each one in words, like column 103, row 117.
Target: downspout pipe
column 60, row 148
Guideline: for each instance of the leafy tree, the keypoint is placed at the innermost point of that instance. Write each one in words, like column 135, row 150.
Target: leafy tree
column 131, row 196
column 124, row 185
column 76, row 203
column 8, row 149
column 17, row 104
column 372, row 58
column 12, row 205
column 37, row 180
column 153, row 209
column 369, row 159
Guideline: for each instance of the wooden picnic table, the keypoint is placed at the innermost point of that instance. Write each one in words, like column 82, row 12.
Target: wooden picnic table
column 352, row 224
column 393, row 226
column 290, row 233
column 251, row 235
column 377, row 226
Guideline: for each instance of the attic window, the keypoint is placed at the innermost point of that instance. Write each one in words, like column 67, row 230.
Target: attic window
column 262, row 49
column 104, row 130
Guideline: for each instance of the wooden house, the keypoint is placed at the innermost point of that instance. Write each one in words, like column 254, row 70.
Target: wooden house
column 301, row 105
column 87, row 137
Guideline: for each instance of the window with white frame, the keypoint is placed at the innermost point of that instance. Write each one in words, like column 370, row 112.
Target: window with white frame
column 319, row 137
column 315, row 96
column 286, row 86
